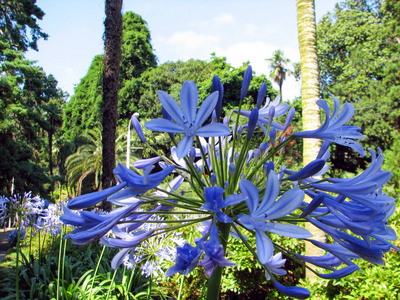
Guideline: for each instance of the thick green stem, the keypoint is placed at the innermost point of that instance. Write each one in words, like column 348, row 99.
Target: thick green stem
column 214, row 282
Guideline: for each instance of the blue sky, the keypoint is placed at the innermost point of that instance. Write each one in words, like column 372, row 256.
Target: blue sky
column 180, row 29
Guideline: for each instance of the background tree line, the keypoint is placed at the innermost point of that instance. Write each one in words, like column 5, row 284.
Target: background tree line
column 358, row 56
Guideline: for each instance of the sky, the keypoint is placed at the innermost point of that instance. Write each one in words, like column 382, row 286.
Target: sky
column 246, row 30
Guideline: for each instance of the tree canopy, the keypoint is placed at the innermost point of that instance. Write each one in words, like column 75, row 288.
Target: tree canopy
column 30, row 103
column 358, row 50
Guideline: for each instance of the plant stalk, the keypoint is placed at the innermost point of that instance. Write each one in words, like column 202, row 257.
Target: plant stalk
column 214, row 282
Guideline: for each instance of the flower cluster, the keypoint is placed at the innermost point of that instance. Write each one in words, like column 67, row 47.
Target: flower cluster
column 216, row 176
column 30, row 211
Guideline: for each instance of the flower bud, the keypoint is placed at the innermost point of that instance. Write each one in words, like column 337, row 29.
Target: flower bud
column 192, row 154
column 261, row 94
column 213, row 179
column 256, row 154
column 138, row 128
column 226, row 121
column 252, row 123
column 232, row 169
column 246, row 82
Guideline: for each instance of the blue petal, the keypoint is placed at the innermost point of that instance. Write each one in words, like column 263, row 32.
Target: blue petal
column 184, row 146
column 143, row 163
column 251, row 192
column 189, row 98
column 289, row 118
column 345, row 116
column 340, row 273
column 171, row 107
column 265, row 248
column 310, row 170
column 326, row 261
column 213, row 129
column 233, row 199
column 93, row 198
column 164, row 125
column 217, row 86
column 223, row 217
column 292, row 291
column 253, row 118
column 206, row 109
column 119, row 258
column 132, row 242
column 286, row 204
column 138, row 128
column 272, row 189
column 288, row 230
column 261, row 94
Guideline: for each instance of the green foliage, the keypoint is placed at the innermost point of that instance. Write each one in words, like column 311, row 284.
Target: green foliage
column 84, row 167
column 15, row 18
column 137, row 52
column 83, row 110
column 30, row 111
column 359, row 62
column 39, row 273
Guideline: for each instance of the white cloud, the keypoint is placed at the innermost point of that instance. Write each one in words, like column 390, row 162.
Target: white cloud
column 192, row 40
column 223, row 19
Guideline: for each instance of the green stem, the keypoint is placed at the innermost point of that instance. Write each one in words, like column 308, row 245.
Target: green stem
column 17, row 262
column 59, row 262
column 112, row 283
column 181, row 287
column 214, row 282
column 149, row 288
column 95, row 271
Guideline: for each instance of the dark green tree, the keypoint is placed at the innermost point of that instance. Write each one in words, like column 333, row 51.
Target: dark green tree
column 358, row 60
column 30, row 111
column 83, row 110
column 16, row 17
column 30, row 103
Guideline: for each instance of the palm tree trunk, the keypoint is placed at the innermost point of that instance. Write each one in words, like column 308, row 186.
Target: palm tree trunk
column 309, row 96
column 112, row 59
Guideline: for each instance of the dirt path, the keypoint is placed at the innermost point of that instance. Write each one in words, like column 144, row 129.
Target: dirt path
column 4, row 245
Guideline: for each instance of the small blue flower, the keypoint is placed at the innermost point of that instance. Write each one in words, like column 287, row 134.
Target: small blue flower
column 214, row 202
column 187, row 258
column 269, row 209
column 264, row 114
column 214, row 254
column 186, row 119
column 333, row 129
column 274, row 265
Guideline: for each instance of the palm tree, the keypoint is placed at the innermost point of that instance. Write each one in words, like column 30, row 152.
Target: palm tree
column 87, row 161
column 278, row 64
column 309, row 96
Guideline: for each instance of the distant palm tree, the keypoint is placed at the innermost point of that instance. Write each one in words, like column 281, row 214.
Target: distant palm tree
column 87, row 161
column 278, row 64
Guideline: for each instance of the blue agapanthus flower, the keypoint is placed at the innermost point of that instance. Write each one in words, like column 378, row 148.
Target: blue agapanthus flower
column 333, row 129
column 262, row 213
column 214, row 254
column 187, row 121
column 228, row 186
